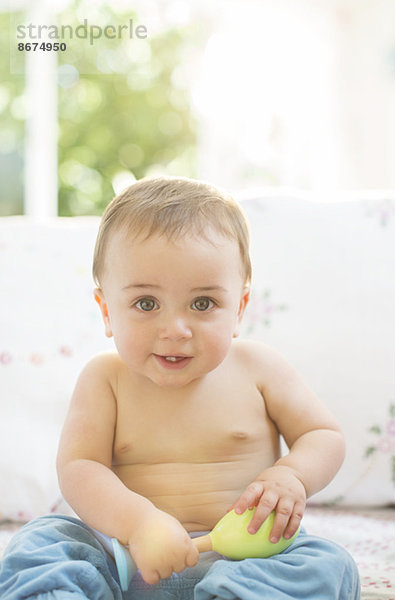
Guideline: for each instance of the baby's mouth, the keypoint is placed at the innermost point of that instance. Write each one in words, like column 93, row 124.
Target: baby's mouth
column 172, row 361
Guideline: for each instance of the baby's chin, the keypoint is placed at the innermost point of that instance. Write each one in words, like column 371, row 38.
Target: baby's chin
column 172, row 382
column 176, row 380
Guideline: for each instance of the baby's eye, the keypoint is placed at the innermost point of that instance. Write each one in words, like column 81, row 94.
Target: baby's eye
column 146, row 304
column 203, row 304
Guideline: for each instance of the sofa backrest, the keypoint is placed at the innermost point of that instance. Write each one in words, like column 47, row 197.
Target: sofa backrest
column 323, row 295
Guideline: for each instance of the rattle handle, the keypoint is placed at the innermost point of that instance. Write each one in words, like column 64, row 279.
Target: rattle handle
column 203, row 543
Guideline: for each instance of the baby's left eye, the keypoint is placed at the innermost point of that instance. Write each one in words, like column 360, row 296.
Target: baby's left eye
column 203, row 304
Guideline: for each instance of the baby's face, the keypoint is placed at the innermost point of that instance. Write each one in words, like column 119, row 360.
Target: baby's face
column 173, row 307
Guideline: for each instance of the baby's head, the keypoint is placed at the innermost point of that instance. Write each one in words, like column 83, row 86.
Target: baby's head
column 172, row 267
column 173, row 207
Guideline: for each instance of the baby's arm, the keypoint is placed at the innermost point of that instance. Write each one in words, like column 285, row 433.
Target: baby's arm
column 315, row 442
column 159, row 544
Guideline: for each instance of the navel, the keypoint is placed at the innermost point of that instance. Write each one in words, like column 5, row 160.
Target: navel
column 239, row 435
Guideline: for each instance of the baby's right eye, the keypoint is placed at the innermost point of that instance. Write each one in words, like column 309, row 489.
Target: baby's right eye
column 146, row 304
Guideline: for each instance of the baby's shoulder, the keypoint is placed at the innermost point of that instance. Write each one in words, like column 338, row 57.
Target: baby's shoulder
column 106, row 365
column 252, row 351
column 259, row 358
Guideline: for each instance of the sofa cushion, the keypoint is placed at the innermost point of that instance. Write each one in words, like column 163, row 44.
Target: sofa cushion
column 323, row 295
column 50, row 326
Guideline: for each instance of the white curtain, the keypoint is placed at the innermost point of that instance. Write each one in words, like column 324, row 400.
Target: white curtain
column 299, row 94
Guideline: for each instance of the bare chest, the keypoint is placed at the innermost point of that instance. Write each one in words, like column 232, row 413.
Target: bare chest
column 216, row 423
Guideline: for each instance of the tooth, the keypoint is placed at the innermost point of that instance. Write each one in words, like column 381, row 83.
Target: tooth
column 171, row 358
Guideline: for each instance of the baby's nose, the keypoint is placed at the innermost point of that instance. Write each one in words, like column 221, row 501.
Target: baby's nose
column 175, row 328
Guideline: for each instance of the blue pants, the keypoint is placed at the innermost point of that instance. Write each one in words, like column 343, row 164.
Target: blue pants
column 59, row 558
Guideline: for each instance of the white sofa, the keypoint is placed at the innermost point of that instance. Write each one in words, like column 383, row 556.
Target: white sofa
column 323, row 295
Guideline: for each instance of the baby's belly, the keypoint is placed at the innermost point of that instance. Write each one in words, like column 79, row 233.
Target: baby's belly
column 197, row 494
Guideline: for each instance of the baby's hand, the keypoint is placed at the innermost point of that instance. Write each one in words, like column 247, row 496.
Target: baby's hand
column 276, row 488
column 160, row 546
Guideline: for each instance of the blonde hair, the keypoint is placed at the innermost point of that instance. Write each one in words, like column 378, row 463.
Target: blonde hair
column 173, row 206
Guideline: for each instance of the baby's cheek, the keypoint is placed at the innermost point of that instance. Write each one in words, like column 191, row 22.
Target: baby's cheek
column 218, row 347
column 128, row 347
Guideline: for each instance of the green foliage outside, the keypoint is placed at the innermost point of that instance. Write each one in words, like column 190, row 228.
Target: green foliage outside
column 123, row 106
column 12, row 127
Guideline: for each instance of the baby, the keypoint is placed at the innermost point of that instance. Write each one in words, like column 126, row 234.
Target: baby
column 182, row 422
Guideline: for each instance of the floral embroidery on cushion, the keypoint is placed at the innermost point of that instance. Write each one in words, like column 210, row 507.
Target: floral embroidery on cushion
column 35, row 357
column 261, row 310
column 385, row 436
column 383, row 210
column 5, row 358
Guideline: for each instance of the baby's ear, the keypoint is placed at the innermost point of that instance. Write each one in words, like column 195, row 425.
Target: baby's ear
column 245, row 296
column 99, row 297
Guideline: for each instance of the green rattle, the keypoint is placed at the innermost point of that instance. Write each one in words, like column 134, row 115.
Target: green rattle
column 229, row 537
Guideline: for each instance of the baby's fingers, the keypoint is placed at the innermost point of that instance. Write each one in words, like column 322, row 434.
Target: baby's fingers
column 295, row 520
column 192, row 557
column 250, row 497
column 284, row 511
column 265, row 506
column 287, row 520
column 150, row 576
